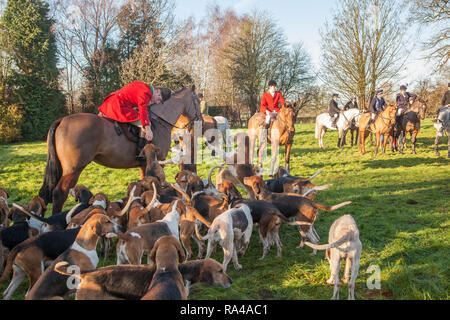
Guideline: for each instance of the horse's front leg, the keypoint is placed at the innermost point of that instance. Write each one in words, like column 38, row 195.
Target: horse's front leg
column 413, row 141
column 275, row 145
column 384, row 144
column 362, row 148
column 287, row 156
column 436, row 146
column 61, row 190
column 378, row 137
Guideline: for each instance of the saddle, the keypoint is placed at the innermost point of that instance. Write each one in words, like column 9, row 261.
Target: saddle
column 130, row 131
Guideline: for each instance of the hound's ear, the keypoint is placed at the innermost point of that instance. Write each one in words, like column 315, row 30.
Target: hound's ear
column 156, row 149
column 91, row 201
column 181, row 254
column 98, row 229
column 44, row 207
column 152, row 255
column 257, row 187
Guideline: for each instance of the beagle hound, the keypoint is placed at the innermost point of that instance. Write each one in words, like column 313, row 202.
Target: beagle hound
column 232, row 230
column 343, row 243
column 167, row 282
column 82, row 254
column 296, row 206
column 28, row 257
column 137, row 241
column 131, row 282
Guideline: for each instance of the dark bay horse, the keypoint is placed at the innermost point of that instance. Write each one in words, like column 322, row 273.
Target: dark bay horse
column 409, row 122
column 76, row 140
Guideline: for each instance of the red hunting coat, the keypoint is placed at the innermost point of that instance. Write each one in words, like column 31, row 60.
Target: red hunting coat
column 120, row 105
column 271, row 103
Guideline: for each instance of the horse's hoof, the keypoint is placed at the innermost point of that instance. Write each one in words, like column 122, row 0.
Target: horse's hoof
column 437, row 154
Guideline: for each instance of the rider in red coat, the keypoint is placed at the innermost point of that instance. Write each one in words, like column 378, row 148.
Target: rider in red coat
column 121, row 106
column 271, row 101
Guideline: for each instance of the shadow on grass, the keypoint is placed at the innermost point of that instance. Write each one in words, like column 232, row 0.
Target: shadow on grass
column 402, row 162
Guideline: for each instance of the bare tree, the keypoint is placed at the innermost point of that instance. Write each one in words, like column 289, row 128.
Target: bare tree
column 86, row 33
column 252, row 55
column 364, row 48
column 436, row 14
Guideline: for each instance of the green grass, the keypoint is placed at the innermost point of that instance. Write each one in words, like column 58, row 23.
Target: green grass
column 409, row 242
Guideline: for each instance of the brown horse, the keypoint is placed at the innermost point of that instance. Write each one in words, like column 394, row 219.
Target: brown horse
column 382, row 126
column 410, row 122
column 76, row 140
column 281, row 133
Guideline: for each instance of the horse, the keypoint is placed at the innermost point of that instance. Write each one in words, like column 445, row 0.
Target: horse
column 282, row 132
column 409, row 122
column 382, row 126
column 323, row 122
column 76, row 140
column 442, row 124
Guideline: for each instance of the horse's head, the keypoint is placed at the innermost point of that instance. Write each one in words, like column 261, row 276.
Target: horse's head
column 391, row 112
column 420, row 107
column 287, row 114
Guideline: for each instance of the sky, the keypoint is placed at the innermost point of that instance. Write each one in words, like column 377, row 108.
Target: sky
column 301, row 21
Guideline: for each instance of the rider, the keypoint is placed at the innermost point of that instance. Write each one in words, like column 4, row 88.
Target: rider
column 377, row 105
column 403, row 101
column 445, row 101
column 334, row 110
column 352, row 104
column 270, row 103
column 121, row 106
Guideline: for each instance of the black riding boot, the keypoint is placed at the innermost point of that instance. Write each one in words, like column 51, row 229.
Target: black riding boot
column 140, row 145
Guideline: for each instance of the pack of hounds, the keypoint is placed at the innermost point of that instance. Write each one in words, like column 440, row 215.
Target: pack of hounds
column 59, row 255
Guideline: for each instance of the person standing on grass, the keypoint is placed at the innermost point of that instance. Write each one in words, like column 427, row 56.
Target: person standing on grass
column 203, row 105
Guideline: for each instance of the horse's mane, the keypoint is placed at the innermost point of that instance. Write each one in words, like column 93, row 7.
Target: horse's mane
column 182, row 90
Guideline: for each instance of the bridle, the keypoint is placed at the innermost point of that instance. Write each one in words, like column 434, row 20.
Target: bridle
column 188, row 125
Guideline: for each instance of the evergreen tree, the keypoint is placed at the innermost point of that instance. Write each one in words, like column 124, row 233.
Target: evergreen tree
column 34, row 76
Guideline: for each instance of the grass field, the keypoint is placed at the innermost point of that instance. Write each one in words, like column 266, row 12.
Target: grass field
column 400, row 203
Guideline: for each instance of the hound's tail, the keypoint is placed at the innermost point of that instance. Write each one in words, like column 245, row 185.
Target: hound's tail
column 335, row 244
column 10, row 260
column 63, row 266
column 204, row 238
column 53, row 169
column 326, row 208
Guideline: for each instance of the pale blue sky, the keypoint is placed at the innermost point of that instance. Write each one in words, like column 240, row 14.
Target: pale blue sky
column 301, row 21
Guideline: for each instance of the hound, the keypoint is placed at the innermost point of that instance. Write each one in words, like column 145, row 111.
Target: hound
column 137, row 241
column 343, row 243
column 28, row 258
column 167, row 282
column 130, row 282
column 296, row 206
column 232, row 230
column 82, row 255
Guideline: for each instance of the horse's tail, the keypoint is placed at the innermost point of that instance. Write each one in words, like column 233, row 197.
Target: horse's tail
column 53, row 169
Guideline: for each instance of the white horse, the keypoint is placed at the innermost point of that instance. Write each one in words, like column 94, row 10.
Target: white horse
column 323, row 122
column 442, row 124
column 224, row 127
